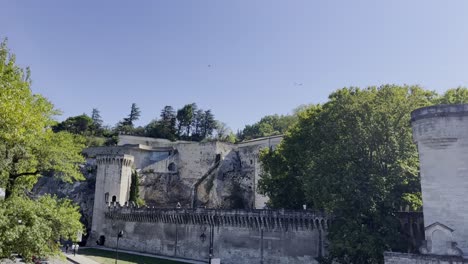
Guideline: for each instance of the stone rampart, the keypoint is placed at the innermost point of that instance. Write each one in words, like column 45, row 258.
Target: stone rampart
column 235, row 236
column 404, row 258
column 254, row 219
column 441, row 134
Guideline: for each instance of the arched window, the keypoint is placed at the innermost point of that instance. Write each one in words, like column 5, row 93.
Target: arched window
column 106, row 197
column 114, row 198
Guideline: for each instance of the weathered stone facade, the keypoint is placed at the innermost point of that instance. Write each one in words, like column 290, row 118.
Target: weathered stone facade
column 238, row 236
column 212, row 174
column 441, row 133
column 200, row 180
column 404, row 258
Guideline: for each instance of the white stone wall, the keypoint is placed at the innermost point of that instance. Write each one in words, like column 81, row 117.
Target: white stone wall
column 442, row 140
column 404, row 258
column 195, row 159
column 113, row 177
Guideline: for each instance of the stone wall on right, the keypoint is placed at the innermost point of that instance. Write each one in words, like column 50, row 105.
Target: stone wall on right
column 441, row 134
column 404, row 258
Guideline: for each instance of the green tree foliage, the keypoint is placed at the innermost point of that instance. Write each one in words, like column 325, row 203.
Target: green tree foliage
column 134, row 189
column 267, row 126
column 198, row 124
column 29, row 148
column 168, row 122
column 127, row 125
column 354, row 158
column 80, row 125
column 454, row 96
column 208, row 124
column 185, row 119
column 35, row 227
column 96, row 126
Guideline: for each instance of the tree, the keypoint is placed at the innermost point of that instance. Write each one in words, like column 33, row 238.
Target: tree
column 268, row 126
column 29, row 149
column 97, row 121
column 127, row 125
column 28, row 146
column 134, row 189
column 454, row 96
column 185, row 119
column 354, row 158
column 168, row 122
column 209, row 124
column 197, row 126
column 80, row 125
column 34, row 228
column 224, row 133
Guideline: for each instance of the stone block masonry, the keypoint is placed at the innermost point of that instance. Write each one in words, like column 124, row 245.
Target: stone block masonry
column 404, row 258
column 256, row 236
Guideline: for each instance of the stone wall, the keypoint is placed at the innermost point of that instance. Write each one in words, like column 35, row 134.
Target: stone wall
column 441, row 133
column 404, row 258
column 259, row 236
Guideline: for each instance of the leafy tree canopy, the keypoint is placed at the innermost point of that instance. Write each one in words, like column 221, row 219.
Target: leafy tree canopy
column 28, row 146
column 35, row 227
column 80, row 125
column 267, row 126
column 454, row 96
column 28, row 149
column 354, row 158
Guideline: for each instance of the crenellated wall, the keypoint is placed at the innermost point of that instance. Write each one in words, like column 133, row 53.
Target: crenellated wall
column 257, row 236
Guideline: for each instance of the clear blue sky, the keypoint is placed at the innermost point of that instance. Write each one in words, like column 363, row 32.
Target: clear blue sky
column 109, row 54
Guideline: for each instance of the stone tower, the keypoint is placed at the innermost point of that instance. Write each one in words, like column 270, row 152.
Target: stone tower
column 441, row 134
column 113, row 179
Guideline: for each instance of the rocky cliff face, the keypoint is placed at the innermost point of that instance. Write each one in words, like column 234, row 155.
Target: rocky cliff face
column 225, row 185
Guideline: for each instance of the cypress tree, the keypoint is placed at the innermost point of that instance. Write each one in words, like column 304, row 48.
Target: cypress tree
column 134, row 191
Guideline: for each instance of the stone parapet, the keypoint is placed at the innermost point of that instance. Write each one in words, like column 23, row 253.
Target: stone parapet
column 439, row 111
column 253, row 219
column 404, row 258
column 121, row 160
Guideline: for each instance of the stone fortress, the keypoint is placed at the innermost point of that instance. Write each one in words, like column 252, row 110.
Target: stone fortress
column 201, row 203
column 441, row 134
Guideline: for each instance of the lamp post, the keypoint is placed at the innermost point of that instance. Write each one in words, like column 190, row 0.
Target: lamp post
column 203, row 238
column 119, row 235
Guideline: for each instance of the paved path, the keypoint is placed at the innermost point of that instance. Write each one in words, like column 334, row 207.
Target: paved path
column 151, row 255
column 79, row 259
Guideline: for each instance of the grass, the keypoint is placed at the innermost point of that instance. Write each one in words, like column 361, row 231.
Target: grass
column 108, row 257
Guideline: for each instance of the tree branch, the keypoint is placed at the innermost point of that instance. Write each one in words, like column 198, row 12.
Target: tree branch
column 15, row 176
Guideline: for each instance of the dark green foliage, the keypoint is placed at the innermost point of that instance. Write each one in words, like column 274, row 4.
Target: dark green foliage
column 96, row 126
column 80, row 125
column 168, row 122
column 267, row 126
column 165, row 127
column 134, row 189
column 127, row 125
column 454, row 96
column 133, row 116
column 185, row 120
column 354, row 158
column 29, row 148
